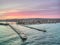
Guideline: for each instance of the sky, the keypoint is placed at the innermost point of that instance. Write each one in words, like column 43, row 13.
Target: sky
column 11, row 9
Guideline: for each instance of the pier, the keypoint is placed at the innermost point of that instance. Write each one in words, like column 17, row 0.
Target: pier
column 36, row 29
column 19, row 32
column 20, row 28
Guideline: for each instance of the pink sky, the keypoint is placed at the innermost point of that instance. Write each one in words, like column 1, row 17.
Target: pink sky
column 20, row 15
column 29, row 9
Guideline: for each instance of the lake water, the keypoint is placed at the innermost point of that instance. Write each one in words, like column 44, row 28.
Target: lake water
column 51, row 37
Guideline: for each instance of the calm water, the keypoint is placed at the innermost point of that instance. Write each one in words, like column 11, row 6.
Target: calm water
column 51, row 37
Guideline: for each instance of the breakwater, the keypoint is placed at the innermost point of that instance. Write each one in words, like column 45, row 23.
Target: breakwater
column 21, row 34
column 36, row 29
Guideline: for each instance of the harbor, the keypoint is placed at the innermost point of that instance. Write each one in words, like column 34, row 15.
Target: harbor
column 29, row 22
column 25, row 34
column 17, row 28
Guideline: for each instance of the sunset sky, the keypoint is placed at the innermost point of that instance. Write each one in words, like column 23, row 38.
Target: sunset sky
column 10, row 9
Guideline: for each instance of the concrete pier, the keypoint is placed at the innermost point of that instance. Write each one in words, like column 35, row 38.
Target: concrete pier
column 36, row 29
column 18, row 31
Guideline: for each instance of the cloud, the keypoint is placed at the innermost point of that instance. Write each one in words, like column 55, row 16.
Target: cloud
column 29, row 7
column 8, row 11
